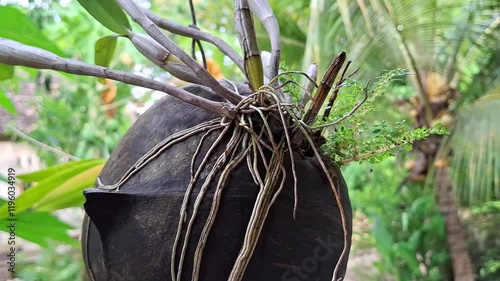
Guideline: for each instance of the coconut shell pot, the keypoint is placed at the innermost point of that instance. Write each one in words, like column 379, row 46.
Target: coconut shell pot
column 129, row 234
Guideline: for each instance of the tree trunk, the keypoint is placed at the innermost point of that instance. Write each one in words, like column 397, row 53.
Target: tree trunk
column 461, row 261
column 427, row 151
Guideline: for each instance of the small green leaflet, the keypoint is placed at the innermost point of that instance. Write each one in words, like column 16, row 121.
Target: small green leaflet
column 104, row 51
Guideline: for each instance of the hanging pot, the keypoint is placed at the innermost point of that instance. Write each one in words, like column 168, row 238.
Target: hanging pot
column 129, row 234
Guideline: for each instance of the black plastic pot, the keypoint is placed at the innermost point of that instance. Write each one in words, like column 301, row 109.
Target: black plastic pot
column 130, row 233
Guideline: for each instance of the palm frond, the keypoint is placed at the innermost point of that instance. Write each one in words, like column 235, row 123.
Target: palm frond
column 379, row 31
column 474, row 149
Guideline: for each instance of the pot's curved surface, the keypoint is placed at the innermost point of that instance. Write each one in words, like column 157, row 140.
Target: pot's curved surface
column 131, row 232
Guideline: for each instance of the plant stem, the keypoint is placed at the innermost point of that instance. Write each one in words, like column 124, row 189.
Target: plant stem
column 15, row 53
column 199, row 35
column 368, row 154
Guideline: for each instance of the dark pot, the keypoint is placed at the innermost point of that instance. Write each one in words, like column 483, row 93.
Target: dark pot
column 130, row 233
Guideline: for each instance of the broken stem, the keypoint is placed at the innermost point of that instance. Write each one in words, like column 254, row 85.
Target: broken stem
column 324, row 88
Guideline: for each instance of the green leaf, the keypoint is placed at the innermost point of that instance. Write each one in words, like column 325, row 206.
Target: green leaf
column 6, row 103
column 69, row 194
column 104, row 51
column 17, row 26
column 382, row 234
column 109, row 14
column 39, row 228
column 6, row 71
column 475, row 161
column 255, row 71
column 34, row 194
column 45, row 173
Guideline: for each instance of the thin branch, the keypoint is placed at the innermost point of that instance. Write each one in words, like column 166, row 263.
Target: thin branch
column 193, row 15
column 290, row 82
column 195, row 41
column 193, row 51
column 15, row 53
column 307, row 76
column 336, row 89
column 354, row 72
column 182, row 30
column 41, row 144
column 203, row 57
column 348, row 114
column 139, row 16
column 286, row 96
column 369, row 154
column 336, row 193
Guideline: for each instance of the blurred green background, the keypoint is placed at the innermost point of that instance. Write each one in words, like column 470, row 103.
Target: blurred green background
column 451, row 47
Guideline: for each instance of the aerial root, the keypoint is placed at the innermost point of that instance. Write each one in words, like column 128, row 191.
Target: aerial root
column 249, row 142
column 248, row 138
column 184, row 206
column 234, row 161
column 158, row 149
column 335, row 193
column 220, row 162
